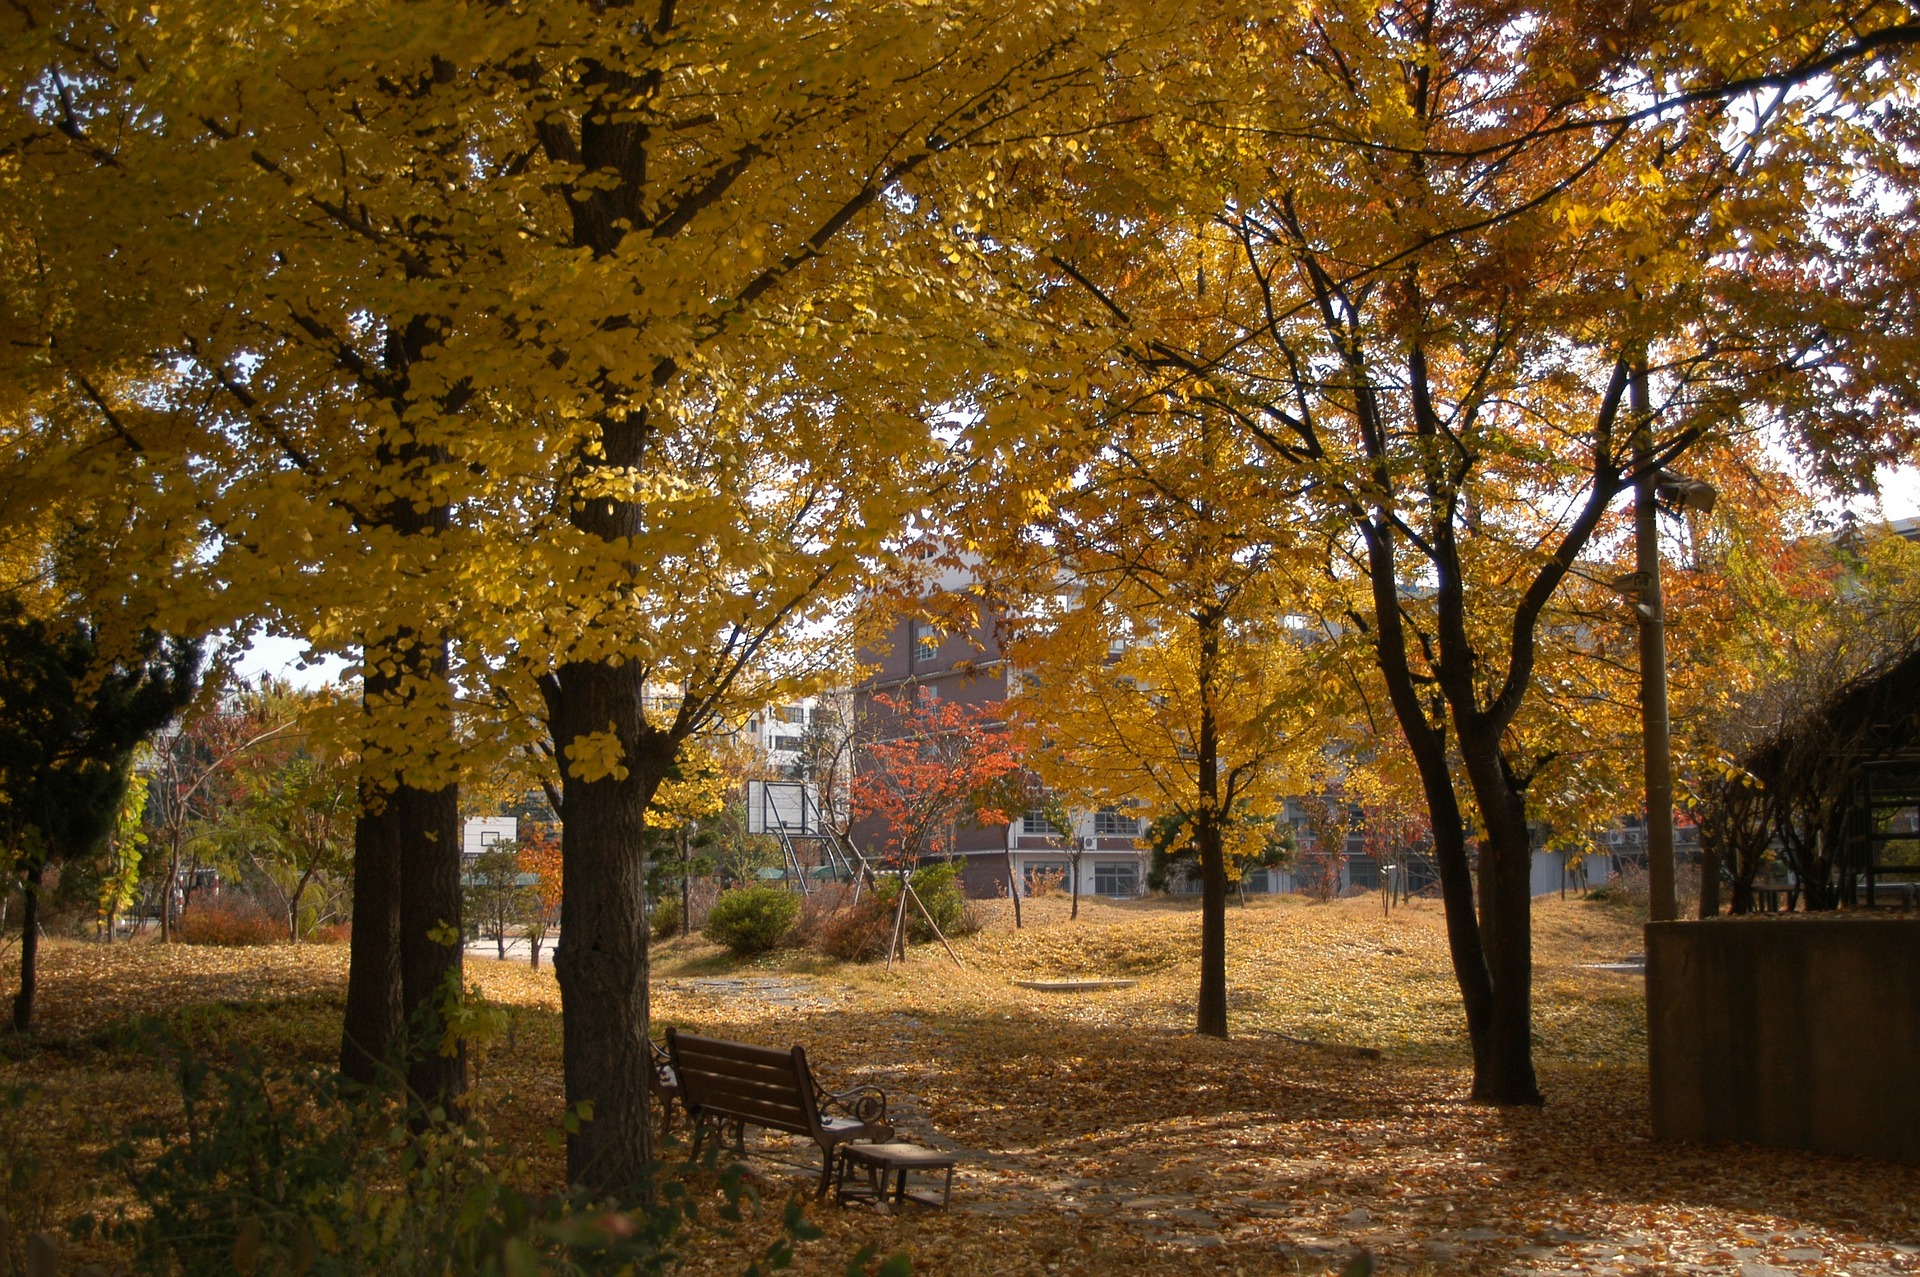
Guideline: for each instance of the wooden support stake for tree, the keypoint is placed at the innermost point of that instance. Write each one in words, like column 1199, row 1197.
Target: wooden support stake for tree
column 921, row 904
column 899, row 928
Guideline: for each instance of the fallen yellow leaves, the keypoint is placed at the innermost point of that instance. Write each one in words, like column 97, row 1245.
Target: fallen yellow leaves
column 1099, row 1134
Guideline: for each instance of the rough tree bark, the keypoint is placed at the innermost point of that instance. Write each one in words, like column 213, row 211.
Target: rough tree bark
column 398, row 971
column 602, row 961
column 29, row 950
column 371, row 1034
column 430, row 962
column 1211, row 1013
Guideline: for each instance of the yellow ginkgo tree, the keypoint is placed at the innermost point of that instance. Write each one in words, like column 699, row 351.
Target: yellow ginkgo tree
column 1163, row 645
column 543, row 358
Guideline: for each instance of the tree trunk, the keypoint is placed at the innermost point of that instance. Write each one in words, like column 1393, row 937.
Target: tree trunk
column 602, row 962
column 430, row 936
column 167, row 920
column 1013, row 889
column 1427, row 744
column 1211, row 1016
column 1074, row 859
column 410, row 848
column 1709, row 880
column 29, row 950
column 371, row 1034
column 686, row 885
column 1506, row 924
column 293, row 907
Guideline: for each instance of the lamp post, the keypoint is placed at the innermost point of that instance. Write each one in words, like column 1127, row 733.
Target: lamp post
column 1652, row 490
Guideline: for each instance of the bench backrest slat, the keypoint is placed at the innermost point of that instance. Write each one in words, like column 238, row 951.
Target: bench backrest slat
column 766, row 1086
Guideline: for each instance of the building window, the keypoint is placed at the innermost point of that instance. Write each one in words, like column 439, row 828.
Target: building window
column 793, row 714
column 1035, row 822
column 1110, row 823
column 926, row 642
column 1044, row 875
column 1116, row 878
column 790, row 744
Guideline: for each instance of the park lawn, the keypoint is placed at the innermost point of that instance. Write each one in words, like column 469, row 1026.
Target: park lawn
column 1099, row 1132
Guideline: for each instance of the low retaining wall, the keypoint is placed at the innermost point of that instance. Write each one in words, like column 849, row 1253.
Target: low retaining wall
column 1795, row 1032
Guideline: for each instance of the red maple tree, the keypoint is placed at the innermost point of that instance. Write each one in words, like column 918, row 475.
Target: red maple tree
column 938, row 762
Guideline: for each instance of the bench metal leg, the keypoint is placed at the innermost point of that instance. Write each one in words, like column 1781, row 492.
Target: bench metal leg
column 826, row 1173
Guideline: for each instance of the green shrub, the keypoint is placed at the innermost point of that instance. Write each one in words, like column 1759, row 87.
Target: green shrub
column 291, row 1173
column 751, row 920
column 938, row 886
column 665, row 922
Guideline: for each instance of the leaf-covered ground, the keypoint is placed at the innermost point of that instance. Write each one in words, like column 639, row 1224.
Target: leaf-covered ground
column 1097, row 1133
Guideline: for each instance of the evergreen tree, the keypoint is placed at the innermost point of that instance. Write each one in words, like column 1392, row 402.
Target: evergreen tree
column 72, row 713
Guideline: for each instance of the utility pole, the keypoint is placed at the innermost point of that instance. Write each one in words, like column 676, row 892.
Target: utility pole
column 1655, row 730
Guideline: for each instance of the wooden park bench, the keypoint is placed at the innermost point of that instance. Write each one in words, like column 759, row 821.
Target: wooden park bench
column 721, row 1082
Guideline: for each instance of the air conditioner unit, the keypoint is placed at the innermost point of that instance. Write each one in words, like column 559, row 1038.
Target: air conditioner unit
column 1089, row 844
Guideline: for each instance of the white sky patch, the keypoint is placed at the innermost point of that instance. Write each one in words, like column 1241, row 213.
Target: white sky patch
column 281, row 657
column 1899, row 495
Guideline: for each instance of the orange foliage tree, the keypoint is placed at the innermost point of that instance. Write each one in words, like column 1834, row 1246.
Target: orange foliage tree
column 938, row 763
column 540, row 860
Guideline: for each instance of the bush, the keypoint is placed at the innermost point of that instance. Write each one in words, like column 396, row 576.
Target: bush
column 1047, row 882
column 750, row 920
column 664, row 924
column 938, row 887
column 860, row 932
column 231, row 922
column 285, row 1173
column 818, row 909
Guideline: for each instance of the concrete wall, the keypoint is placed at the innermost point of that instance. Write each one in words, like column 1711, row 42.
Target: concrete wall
column 1557, row 871
column 1796, row 1032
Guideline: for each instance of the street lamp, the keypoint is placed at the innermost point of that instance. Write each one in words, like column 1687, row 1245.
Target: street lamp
column 1653, row 491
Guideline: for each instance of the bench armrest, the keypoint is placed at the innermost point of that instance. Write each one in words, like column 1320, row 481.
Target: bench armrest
column 867, row 1102
column 664, row 1078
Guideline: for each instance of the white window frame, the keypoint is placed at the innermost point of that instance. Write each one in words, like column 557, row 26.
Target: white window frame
column 923, row 643
column 1034, row 824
